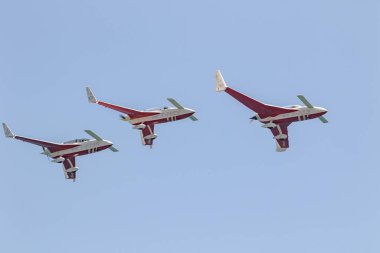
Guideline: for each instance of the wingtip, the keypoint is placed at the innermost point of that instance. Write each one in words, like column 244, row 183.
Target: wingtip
column 220, row 83
column 90, row 96
column 7, row 131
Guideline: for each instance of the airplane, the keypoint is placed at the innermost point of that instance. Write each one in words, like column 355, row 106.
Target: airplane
column 145, row 120
column 275, row 118
column 66, row 152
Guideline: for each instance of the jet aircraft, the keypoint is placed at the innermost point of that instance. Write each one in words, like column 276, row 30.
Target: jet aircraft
column 146, row 120
column 275, row 118
column 66, row 152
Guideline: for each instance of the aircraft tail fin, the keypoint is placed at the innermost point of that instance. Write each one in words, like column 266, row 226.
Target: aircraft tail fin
column 220, row 83
column 90, row 96
column 8, row 133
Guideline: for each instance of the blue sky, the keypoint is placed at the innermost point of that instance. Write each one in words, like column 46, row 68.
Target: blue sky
column 216, row 185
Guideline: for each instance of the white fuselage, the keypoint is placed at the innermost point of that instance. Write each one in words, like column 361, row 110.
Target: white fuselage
column 301, row 113
column 163, row 115
column 86, row 147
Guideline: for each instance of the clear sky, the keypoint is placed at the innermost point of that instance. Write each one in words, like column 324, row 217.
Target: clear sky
column 216, row 185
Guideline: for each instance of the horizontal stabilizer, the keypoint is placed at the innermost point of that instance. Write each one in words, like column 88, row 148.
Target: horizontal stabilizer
column 94, row 135
column 220, row 83
column 8, row 133
column 113, row 149
column 98, row 138
column 309, row 105
column 90, row 96
column 304, row 100
column 323, row 119
column 175, row 103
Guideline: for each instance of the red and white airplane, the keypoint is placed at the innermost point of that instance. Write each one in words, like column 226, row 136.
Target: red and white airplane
column 275, row 118
column 66, row 152
column 145, row 120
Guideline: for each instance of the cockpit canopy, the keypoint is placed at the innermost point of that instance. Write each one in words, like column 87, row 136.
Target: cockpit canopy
column 293, row 106
column 157, row 109
column 153, row 109
column 77, row 141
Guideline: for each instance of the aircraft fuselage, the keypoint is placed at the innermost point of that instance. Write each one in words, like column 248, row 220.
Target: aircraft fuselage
column 83, row 148
column 301, row 113
column 163, row 116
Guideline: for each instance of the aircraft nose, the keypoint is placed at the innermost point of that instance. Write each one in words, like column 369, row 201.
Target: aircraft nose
column 108, row 143
column 110, row 146
column 320, row 109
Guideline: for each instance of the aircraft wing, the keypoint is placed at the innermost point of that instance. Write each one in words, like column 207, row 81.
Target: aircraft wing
column 69, row 168
column 257, row 106
column 130, row 112
column 53, row 147
column 280, row 134
column 147, row 135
